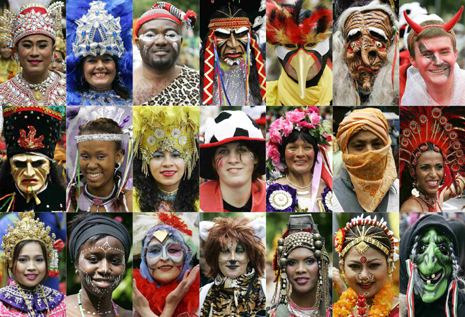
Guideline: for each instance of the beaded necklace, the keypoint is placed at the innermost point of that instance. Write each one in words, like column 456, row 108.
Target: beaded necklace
column 82, row 309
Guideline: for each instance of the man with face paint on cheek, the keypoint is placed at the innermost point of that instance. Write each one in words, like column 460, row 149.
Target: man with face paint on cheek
column 29, row 178
column 159, row 81
column 435, row 78
column 429, row 270
column 301, row 39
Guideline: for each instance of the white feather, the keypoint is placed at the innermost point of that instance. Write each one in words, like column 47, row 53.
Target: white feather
column 204, row 227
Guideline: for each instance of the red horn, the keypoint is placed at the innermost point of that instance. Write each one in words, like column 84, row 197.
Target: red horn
column 415, row 27
column 449, row 25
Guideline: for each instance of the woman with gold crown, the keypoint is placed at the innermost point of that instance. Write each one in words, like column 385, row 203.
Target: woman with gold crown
column 59, row 54
column 367, row 253
column 166, row 163
column 31, row 31
column 30, row 253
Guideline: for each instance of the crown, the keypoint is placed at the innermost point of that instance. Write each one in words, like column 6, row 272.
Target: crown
column 98, row 33
column 26, row 228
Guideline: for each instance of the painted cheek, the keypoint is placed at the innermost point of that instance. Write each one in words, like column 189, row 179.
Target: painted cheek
column 219, row 163
column 223, row 258
column 153, row 258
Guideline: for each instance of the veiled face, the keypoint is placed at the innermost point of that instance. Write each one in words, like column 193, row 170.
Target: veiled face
column 368, row 37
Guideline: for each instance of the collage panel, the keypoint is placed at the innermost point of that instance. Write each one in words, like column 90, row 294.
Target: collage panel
column 99, row 47
column 33, row 259
column 166, row 162
column 433, row 261
column 232, row 68
column 367, row 160
column 365, row 53
column 166, row 53
column 100, row 157
column 366, row 268
column 166, row 264
column 299, row 160
column 432, row 161
column 32, row 174
column 298, row 263
column 100, row 264
column 299, row 65
column 232, row 264
column 232, row 159
column 32, row 35
column 431, row 54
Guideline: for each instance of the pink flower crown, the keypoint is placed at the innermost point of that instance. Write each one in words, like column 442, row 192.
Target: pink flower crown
column 299, row 119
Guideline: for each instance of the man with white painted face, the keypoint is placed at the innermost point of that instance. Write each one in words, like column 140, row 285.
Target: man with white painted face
column 435, row 78
column 159, row 81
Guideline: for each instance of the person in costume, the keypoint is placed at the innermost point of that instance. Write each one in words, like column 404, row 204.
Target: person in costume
column 368, row 180
column 59, row 54
column 101, row 164
column 301, row 261
column 432, row 165
column 159, row 81
column 166, row 284
column 99, row 249
column 8, row 65
column 233, row 159
column 301, row 40
column 30, row 254
column 435, row 78
column 166, row 164
column 367, row 254
column 235, row 257
column 30, row 29
column 30, row 180
column 232, row 71
column 365, row 55
column 100, row 63
column 297, row 149
column 429, row 270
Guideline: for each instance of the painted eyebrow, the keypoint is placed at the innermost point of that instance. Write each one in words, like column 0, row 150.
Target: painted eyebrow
column 378, row 31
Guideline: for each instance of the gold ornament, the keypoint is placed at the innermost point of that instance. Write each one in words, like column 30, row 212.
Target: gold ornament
column 38, row 95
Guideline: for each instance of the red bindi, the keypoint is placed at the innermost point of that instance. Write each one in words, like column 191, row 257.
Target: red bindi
column 363, row 259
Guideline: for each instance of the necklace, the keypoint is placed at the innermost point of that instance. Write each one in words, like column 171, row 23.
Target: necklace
column 28, row 302
column 298, row 311
column 168, row 196
column 430, row 201
column 39, row 88
column 306, row 192
column 105, row 313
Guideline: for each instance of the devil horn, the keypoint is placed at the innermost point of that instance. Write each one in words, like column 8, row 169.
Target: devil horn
column 415, row 27
column 449, row 25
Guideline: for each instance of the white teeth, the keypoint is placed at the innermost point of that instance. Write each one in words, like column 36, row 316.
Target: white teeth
column 438, row 71
column 433, row 275
column 428, row 282
column 94, row 175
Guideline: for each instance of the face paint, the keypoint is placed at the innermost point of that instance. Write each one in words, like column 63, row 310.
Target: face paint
column 219, row 163
column 232, row 45
column 363, row 259
column 434, row 265
column 29, row 172
column 164, row 259
column 252, row 157
column 368, row 37
column 175, row 46
column 435, row 59
column 233, row 259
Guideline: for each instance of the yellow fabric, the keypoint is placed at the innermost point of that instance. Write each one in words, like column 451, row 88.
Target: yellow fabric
column 285, row 91
column 136, row 207
column 372, row 173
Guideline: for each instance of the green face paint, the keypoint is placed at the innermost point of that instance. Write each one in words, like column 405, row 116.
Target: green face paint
column 434, row 266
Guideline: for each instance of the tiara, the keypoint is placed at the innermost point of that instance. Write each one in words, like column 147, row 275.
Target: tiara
column 99, row 137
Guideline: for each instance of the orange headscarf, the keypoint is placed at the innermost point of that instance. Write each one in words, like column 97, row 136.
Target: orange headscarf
column 372, row 173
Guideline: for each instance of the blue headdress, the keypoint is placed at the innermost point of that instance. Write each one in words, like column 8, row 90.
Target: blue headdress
column 95, row 28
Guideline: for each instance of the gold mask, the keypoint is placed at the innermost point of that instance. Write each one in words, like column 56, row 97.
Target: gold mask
column 29, row 172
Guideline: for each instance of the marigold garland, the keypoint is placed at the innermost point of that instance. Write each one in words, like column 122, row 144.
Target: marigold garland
column 382, row 303
column 339, row 240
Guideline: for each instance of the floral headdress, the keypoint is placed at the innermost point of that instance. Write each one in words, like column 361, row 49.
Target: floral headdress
column 363, row 236
column 299, row 119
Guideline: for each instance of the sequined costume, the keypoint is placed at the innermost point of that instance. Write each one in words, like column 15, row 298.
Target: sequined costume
column 233, row 82
column 108, row 98
column 8, row 69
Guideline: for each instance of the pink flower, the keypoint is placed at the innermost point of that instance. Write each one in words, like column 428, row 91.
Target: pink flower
column 279, row 166
column 295, row 116
column 287, row 127
column 328, row 137
column 275, row 137
column 313, row 109
column 315, row 118
column 273, row 153
column 307, row 125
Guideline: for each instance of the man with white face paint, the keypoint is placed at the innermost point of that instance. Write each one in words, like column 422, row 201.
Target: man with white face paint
column 159, row 81
column 435, row 78
column 29, row 179
column 306, row 75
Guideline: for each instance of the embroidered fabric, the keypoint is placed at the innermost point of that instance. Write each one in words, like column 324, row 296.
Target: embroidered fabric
column 99, row 137
column 103, row 98
column 86, row 201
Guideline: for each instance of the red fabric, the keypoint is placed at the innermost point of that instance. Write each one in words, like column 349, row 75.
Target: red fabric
column 168, row 15
column 208, row 70
column 228, row 140
column 157, row 296
column 211, row 199
column 403, row 79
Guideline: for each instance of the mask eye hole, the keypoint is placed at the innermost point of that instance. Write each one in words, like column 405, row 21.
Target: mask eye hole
column 443, row 250
column 310, row 45
column 291, row 46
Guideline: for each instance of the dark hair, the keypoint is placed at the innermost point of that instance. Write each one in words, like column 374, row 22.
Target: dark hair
column 147, row 190
column 294, row 136
column 430, row 33
column 18, row 248
column 99, row 126
column 253, row 76
column 458, row 227
column 119, row 89
column 381, row 236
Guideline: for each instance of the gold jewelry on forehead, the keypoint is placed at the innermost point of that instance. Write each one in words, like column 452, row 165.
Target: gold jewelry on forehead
column 161, row 235
column 362, row 237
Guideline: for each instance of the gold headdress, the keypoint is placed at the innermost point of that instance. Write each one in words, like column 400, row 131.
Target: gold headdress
column 166, row 129
column 26, row 228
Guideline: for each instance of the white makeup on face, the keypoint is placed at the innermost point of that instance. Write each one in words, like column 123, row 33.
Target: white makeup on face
column 168, row 250
column 233, row 259
column 150, row 36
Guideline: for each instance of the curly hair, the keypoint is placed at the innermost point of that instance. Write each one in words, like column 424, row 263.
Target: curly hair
column 100, row 126
column 238, row 228
column 147, row 190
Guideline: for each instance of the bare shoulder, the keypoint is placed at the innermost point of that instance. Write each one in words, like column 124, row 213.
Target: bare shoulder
column 411, row 205
column 72, row 308
column 123, row 312
column 128, row 196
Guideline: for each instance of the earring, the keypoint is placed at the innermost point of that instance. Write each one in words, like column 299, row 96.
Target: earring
column 83, row 80
column 415, row 192
column 117, row 166
column 64, row 65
